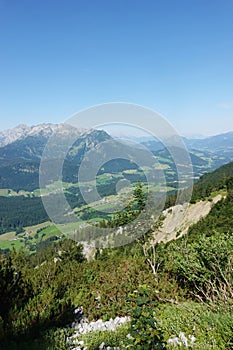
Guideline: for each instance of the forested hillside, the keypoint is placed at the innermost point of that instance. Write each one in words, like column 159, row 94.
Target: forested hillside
column 213, row 181
column 205, row 185
column 18, row 212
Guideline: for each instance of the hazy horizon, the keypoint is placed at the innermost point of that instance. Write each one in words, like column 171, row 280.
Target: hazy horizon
column 128, row 133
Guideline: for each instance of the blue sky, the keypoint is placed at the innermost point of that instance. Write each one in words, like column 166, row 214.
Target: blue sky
column 57, row 57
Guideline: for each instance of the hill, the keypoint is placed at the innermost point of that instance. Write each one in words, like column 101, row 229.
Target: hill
column 212, row 181
column 221, row 144
column 216, row 144
column 175, row 293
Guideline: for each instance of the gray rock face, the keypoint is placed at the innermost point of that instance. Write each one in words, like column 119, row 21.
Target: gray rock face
column 11, row 135
column 47, row 129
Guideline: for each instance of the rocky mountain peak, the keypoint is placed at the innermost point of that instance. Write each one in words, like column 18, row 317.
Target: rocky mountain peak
column 46, row 129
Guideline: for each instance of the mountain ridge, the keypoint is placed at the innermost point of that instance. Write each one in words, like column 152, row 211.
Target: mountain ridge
column 22, row 131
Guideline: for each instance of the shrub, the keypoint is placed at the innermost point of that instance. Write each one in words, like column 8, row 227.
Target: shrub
column 144, row 329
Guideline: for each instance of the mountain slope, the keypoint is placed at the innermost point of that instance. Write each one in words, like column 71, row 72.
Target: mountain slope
column 22, row 149
column 11, row 135
column 29, row 142
column 46, row 130
column 206, row 154
column 212, row 181
column 179, row 218
column 20, row 159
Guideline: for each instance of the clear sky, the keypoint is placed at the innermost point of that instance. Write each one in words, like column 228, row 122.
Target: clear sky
column 174, row 56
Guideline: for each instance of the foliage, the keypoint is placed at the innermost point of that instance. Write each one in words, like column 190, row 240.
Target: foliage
column 208, row 183
column 132, row 210
column 51, row 339
column 205, row 267
column 229, row 185
column 144, row 328
column 213, row 181
column 212, row 328
column 18, row 212
column 139, row 196
column 15, row 290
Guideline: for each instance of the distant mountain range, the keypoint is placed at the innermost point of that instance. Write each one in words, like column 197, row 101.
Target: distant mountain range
column 23, row 131
column 219, row 144
column 215, row 144
column 29, row 142
column 21, row 149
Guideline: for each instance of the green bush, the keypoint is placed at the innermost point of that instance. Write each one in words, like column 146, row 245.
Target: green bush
column 212, row 327
column 144, row 328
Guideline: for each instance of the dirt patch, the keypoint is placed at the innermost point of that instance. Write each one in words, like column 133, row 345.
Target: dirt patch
column 179, row 218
